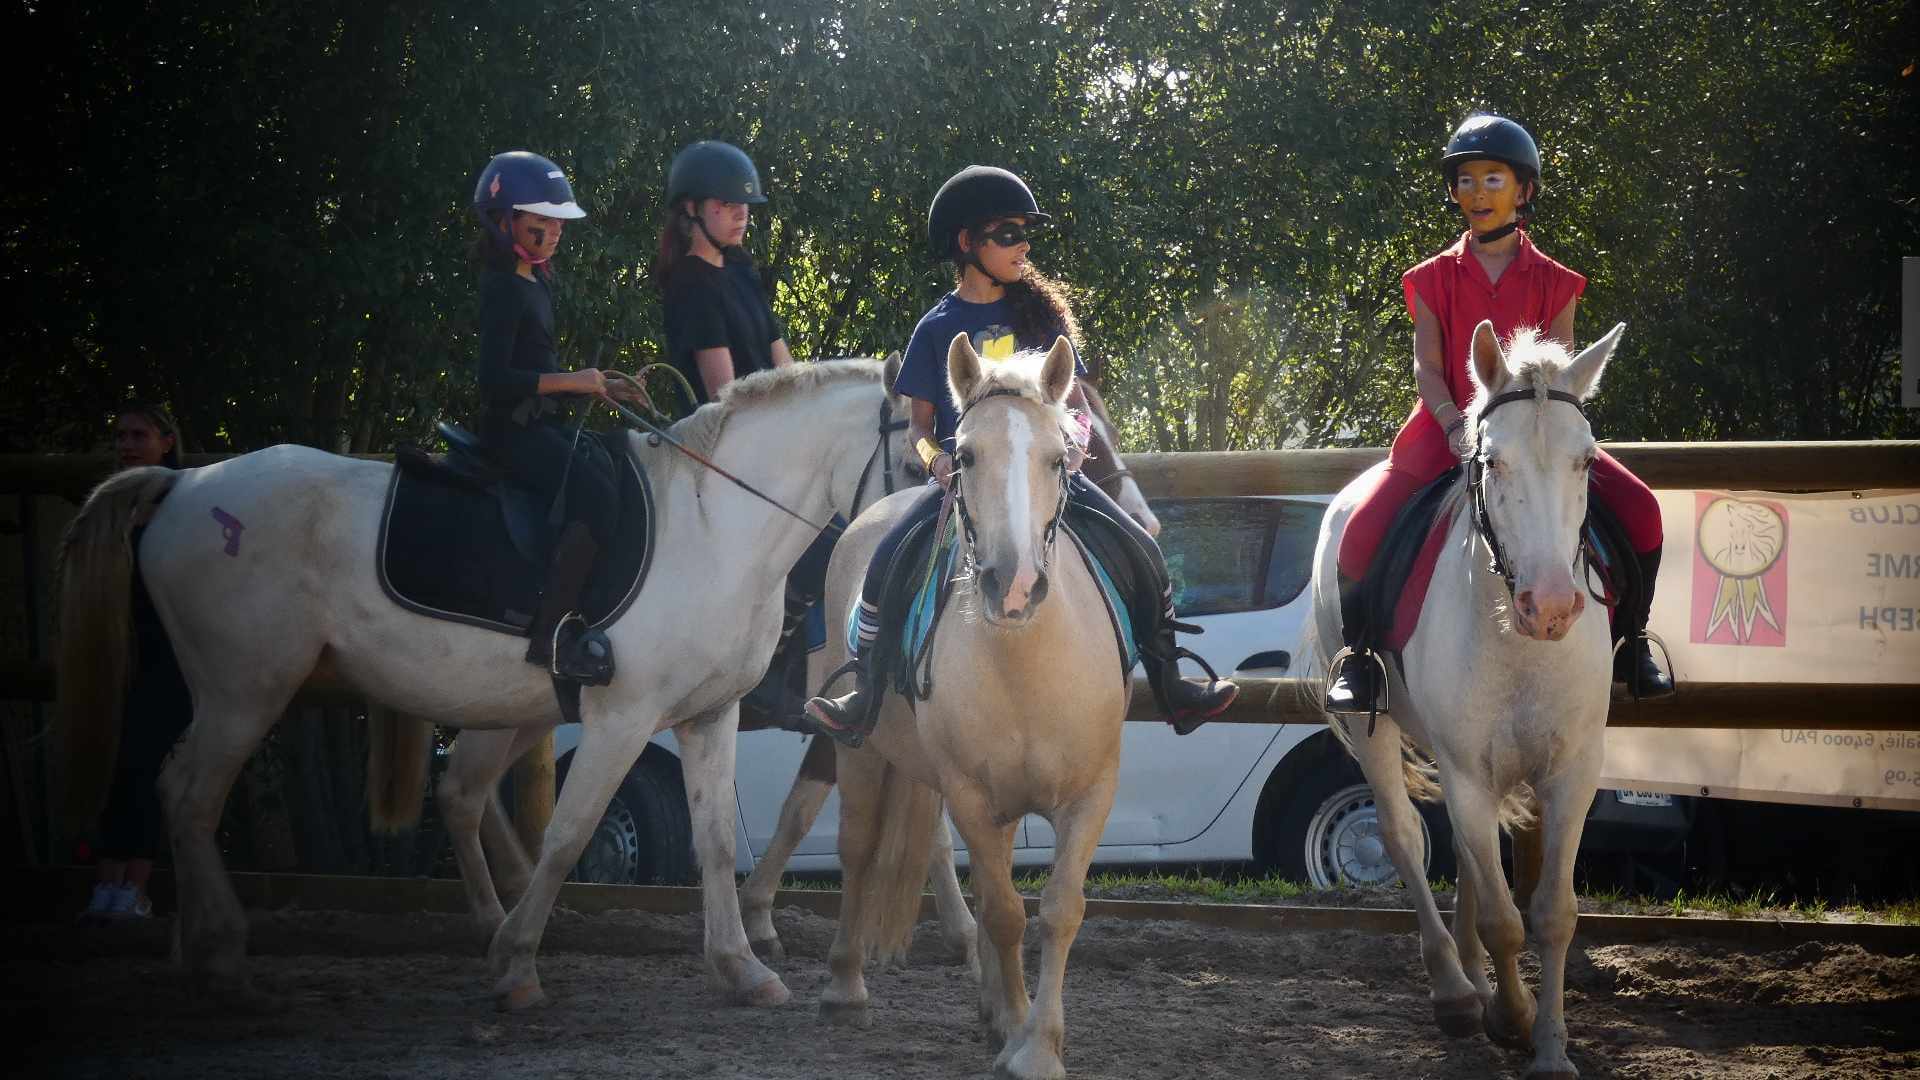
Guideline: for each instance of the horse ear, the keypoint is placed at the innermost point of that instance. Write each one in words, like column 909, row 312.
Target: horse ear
column 963, row 368
column 1584, row 372
column 1056, row 375
column 1489, row 363
column 890, row 370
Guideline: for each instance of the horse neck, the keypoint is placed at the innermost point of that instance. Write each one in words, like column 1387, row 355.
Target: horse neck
column 791, row 449
column 1464, row 569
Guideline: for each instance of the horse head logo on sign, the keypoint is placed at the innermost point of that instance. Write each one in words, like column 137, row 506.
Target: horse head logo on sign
column 1739, row 572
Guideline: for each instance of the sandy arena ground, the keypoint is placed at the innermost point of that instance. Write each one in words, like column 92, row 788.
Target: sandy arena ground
column 406, row 996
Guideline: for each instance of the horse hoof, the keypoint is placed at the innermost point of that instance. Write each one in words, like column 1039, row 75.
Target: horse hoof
column 1014, row 1066
column 1460, row 1018
column 769, row 949
column 1511, row 1040
column 766, row 995
column 1553, row 1074
column 846, row 1014
column 520, row 998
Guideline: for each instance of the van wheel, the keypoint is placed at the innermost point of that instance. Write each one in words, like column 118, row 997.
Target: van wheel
column 645, row 837
column 1327, row 832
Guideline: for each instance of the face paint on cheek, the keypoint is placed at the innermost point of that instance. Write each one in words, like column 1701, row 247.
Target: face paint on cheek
column 539, row 233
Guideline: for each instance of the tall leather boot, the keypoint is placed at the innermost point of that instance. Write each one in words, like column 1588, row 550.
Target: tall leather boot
column 1186, row 705
column 1354, row 690
column 567, row 576
column 848, row 718
column 1633, row 664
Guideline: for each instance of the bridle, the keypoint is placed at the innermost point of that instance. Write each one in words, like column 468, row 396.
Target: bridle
column 958, row 493
column 882, row 452
column 1498, row 563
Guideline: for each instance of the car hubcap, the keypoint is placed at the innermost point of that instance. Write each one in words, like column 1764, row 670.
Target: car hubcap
column 613, row 855
column 1344, row 844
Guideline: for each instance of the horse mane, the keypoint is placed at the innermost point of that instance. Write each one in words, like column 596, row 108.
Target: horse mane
column 702, row 430
column 1534, row 362
column 1019, row 373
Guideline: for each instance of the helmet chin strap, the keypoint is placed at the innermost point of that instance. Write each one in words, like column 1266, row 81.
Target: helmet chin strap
column 971, row 257
column 529, row 257
column 1500, row 233
column 700, row 223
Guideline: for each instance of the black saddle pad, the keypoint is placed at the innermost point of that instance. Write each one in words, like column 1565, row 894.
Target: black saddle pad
column 446, row 551
column 1612, row 569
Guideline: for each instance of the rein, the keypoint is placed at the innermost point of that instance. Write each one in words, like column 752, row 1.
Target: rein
column 882, row 450
column 1498, row 562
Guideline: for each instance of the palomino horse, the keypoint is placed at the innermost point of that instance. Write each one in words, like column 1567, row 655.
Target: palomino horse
column 1025, row 714
column 818, row 769
column 1502, row 684
column 252, row 615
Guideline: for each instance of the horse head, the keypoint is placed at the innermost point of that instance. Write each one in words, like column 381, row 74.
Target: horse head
column 1534, row 450
column 1010, row 483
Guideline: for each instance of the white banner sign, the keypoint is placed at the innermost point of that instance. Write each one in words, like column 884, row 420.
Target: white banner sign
column 1758, row 587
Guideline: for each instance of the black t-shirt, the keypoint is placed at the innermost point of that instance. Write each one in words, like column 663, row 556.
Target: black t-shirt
column 516, row 339
column 715, row 307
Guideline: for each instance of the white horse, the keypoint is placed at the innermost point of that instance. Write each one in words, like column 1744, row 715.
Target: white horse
column 1502, row 684
column 255, row 609
column 1025, row 716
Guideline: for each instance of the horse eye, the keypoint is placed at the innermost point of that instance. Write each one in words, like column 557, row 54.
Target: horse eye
column 964, row 458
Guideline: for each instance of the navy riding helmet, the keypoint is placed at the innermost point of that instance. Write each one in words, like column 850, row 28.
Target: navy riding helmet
column 519, row 180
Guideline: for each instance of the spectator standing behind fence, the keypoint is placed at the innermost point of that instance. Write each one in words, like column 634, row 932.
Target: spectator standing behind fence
column 158, row 708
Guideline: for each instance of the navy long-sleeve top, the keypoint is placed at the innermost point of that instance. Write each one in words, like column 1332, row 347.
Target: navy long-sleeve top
column 516, row 338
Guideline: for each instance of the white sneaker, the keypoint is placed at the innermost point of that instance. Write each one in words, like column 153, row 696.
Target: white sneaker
column 128, row 903
column 100, row 905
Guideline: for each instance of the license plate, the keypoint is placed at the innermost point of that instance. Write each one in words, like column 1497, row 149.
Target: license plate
column 1642, row 798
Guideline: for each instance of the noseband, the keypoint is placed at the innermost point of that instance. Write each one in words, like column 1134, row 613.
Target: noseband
column 882, row 451
column 1483, row 522
column 960, row 498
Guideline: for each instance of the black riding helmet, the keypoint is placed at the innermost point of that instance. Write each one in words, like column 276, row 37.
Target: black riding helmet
column 1495, row 138
column 975, row 194
column 713, row 170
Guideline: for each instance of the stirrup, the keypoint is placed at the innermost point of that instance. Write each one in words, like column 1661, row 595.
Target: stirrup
column 1633, row 688
column 589, row 653
column 1382, row 688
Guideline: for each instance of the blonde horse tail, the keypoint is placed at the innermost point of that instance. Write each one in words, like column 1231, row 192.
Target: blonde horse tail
column 398, row 747
column 1423, row 780
column 93, row 571
column 891, row 893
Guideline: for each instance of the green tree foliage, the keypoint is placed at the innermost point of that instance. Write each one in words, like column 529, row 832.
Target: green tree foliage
column 255, row 211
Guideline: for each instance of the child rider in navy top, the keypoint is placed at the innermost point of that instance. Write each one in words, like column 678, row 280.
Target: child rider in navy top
column 980, row 219
column 523, row 201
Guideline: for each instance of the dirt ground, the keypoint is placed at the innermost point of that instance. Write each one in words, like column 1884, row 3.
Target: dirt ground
column 406, row 996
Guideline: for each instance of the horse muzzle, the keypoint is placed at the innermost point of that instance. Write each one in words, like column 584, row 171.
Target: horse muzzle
column 1548, row 614
column 1010, row 600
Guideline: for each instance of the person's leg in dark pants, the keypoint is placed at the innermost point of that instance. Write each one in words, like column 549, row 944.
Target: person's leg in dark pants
column 849, row 717
column 536, row 456
column 1638, row 511
column 1186, row 705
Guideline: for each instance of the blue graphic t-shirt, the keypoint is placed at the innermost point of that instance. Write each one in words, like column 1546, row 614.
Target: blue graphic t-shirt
column 923, row 374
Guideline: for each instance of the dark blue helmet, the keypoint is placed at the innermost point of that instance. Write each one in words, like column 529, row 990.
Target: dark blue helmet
column 518, row 180
column 714, row 170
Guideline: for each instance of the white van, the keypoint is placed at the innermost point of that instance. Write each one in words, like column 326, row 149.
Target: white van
column 1286, row 798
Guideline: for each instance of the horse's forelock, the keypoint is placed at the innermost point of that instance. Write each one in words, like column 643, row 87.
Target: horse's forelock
column 1020, row 373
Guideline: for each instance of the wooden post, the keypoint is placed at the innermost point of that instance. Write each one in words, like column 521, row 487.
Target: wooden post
column 533, row 794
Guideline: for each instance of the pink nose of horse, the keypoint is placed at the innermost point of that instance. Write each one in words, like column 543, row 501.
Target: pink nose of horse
column 1020, row 595
column 1547, row 615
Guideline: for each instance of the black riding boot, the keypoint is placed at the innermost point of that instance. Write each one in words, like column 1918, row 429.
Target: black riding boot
column 1633, row 664
column 1353, row 691
column 848, row 718
column 584, row 656
column 1186, row 705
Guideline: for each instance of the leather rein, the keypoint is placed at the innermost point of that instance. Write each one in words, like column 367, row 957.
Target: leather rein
column 1498, row 563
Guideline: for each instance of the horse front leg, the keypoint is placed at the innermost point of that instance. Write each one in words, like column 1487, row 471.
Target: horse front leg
column 707, row 754
column 1035, row 1053
column 1457, row 1004
column 608, row 747
column 862, row 784
column 1563, row 813
column 475, row 763
column 1003, row 914
column 809, row 793
column 957, row 928
column 1486, row 901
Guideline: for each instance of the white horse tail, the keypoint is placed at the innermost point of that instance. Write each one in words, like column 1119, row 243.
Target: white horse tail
column 94, row 573
column 891, row 893
column 398, row 748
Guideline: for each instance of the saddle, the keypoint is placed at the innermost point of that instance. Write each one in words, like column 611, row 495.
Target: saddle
column 459, row 541
column 1395, row 588
column 919, row 581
